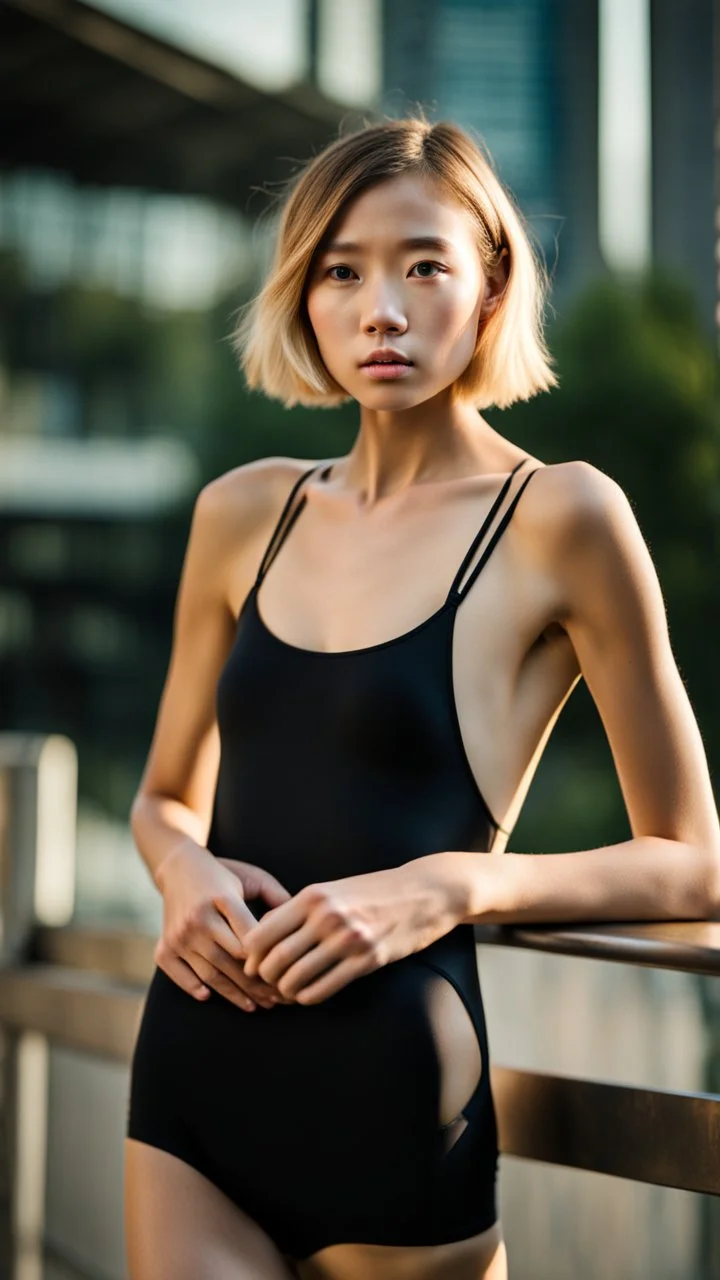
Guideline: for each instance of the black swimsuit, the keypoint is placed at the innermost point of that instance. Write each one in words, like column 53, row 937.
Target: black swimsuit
column 321, row 1121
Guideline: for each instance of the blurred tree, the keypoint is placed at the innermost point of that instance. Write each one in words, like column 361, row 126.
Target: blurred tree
column 638, row 398
column 242, row 425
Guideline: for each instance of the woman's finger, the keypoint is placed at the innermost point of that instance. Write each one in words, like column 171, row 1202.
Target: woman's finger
column 259, row 883
column 198, row 977
column 181, row 973
column 335, row 978
column 233, row 910
column 224, row 975
column 272, row 891
column 221, row 949
column 315, row 960
column 219, row 946
column 298, row 947
column 278, row 923
column 219, row 982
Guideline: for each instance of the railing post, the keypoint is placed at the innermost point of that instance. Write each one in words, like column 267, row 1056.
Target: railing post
column 38, row 822
column 26, row 1079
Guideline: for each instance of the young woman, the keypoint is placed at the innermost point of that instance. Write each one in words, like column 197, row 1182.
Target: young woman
column 369, row 655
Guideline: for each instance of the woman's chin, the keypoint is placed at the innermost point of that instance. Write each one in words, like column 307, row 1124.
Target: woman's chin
column 392, row 396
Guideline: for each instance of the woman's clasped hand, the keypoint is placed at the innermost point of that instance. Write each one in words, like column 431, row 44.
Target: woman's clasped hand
column 306, row 947
column 204, row 920
column 328, row 934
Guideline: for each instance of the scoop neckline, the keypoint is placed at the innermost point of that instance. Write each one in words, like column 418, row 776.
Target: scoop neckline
column 344, row 653
column 452, row 599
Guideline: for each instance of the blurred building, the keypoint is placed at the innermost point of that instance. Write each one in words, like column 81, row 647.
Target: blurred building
column 141, row 142
column 526, row 75
column 522, row 75
column 685, row 52
column 173, row 125
column 493, row 68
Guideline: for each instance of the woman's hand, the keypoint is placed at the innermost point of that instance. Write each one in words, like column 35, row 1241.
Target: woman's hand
column 331, row 933
column 204, row 920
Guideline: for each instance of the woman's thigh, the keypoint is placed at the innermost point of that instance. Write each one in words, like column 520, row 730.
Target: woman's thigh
column 180, row 1226
column 482, row 1257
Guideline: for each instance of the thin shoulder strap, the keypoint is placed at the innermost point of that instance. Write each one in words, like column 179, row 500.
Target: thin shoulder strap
column 283, row 525
column 458, row 592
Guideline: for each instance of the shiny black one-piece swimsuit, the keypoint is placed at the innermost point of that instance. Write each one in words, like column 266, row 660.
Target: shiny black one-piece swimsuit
column 322, row 1121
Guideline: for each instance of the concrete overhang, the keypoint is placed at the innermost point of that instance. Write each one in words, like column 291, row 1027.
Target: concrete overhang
column 85, row 94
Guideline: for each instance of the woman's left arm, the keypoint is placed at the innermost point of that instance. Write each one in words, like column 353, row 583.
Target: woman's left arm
column 613, row 611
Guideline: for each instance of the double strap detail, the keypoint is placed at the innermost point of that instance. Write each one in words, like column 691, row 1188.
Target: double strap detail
column 458, row 589
column 284, row 525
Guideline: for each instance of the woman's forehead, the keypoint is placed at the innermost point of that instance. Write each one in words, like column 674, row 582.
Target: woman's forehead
column 405, row 208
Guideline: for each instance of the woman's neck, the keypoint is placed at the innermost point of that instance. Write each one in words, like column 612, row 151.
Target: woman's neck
column 392, row 453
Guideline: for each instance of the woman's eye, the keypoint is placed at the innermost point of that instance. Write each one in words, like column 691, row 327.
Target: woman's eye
column 419, row 266
column 339, row 268
column 435, row 266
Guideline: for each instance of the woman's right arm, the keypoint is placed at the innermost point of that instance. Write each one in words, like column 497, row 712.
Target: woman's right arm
column 204, row 909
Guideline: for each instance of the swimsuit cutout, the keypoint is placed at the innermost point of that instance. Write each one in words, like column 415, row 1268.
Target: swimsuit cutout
column 322, row 1121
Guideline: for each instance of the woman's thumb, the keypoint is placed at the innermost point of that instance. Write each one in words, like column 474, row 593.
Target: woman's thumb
column 255, row 882
column 272, row 892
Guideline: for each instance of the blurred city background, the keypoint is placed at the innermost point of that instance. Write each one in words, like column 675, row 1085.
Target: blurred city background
column 143, row 145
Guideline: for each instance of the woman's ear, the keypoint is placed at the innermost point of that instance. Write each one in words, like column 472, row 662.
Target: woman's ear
column 495, row 284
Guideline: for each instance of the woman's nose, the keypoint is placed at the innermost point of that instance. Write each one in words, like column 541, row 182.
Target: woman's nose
column 383, row 311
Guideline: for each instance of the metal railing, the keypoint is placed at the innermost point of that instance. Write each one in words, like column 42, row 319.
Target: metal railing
column 84, row 989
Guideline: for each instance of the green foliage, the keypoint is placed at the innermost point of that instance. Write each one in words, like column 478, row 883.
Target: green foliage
column 241, row 425
column 638, row 398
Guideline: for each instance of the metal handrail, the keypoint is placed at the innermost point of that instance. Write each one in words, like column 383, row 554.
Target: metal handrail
column 686, row 946
column 85, row 989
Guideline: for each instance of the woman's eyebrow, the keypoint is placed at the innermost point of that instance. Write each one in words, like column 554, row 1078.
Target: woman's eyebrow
column 414, row 242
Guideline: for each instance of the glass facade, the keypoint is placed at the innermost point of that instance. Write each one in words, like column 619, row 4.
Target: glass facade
column 490, row 65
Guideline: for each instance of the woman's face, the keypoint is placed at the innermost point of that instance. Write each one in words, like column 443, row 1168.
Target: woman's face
column 402, row 270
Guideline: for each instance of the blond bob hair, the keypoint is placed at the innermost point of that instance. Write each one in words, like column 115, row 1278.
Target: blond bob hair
column 274, row 339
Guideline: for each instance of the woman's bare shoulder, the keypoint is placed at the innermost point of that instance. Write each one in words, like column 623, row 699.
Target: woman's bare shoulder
column 251, row 492
column 571, row 499
column 234, row 516
column 580, row 529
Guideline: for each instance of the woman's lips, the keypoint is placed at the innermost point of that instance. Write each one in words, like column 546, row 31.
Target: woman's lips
column 385, row 370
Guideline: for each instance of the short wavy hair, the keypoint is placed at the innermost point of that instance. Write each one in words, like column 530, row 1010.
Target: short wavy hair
column 274, row 339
